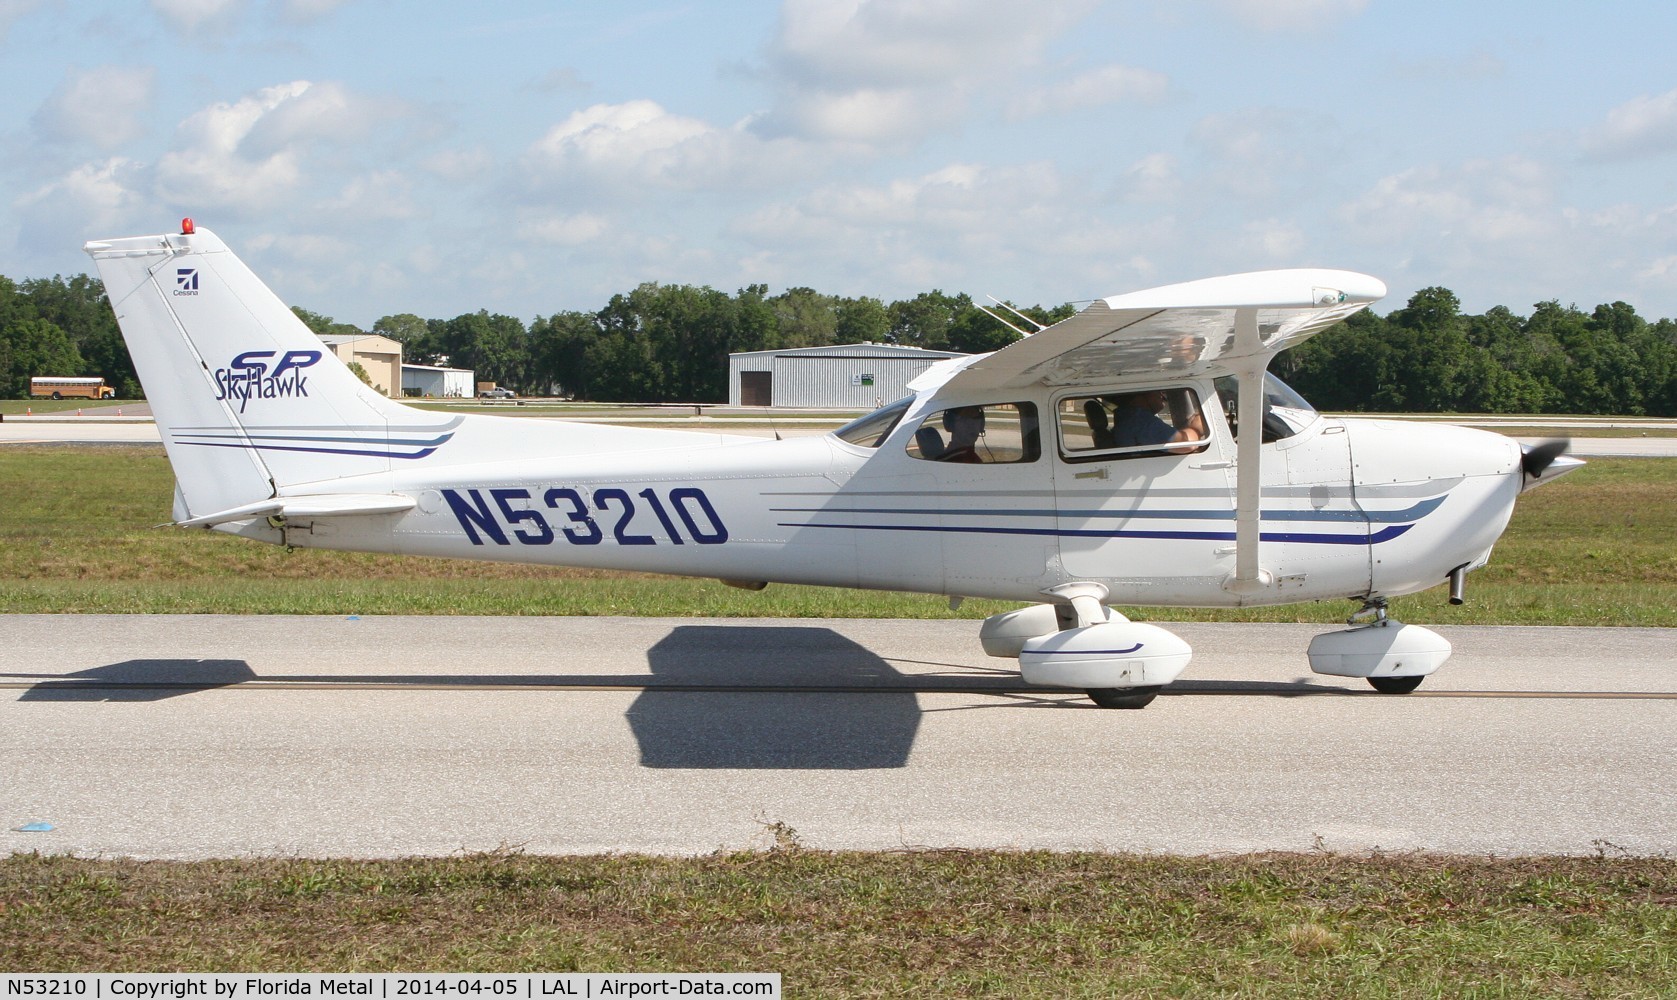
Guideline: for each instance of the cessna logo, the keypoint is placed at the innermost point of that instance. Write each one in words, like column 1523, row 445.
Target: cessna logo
column 249, row 376
column 186, row 281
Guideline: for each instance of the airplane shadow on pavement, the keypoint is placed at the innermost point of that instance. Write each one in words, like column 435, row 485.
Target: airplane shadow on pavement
column 718, row 697
column 808, row 698
column 141, row 680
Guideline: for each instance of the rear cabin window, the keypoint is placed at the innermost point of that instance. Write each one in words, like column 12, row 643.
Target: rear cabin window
column 1139, row 424
column 995, row 434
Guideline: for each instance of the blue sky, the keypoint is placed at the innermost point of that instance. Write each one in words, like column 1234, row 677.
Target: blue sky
column 369, row 157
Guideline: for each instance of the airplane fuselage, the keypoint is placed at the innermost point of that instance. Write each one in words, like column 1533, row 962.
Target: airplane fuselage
column 1350, row 508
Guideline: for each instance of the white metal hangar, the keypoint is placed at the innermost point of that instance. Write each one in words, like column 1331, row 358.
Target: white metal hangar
column 843, row 376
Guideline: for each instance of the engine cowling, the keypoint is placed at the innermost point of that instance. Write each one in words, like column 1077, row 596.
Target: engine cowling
column 1111, row 655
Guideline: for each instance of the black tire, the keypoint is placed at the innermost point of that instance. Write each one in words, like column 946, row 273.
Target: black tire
column 1136, row 697
column 57, row 395
column 1396, row 685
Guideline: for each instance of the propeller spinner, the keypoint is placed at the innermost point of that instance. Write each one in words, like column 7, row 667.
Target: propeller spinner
column 1536, row 458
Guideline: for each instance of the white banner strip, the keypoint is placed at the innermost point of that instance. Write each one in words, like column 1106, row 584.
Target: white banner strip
column 385, row 985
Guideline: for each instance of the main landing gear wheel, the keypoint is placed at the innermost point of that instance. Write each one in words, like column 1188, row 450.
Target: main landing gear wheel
column 1396, row 685
column 1136, row 697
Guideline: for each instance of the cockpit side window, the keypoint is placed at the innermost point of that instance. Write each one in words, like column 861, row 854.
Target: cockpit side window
column 1149, row 422
column 993, row 434
column 1285, row 412
column 871, row 430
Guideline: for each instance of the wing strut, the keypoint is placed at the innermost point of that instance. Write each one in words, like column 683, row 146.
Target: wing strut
column 1249, row 575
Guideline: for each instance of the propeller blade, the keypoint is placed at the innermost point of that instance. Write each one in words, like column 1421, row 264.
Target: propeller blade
column 1536, row 458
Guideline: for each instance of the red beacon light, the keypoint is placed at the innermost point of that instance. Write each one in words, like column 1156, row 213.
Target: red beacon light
column 186, row 227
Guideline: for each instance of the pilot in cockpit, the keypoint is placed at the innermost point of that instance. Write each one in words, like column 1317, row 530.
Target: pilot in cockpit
column 965, row 425
column 1136, row 420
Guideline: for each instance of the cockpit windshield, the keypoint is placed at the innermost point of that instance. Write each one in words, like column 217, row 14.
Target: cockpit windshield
column 870, row 431
column 1285, row 412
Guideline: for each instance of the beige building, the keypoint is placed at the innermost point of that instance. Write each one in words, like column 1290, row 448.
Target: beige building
column 381, row 356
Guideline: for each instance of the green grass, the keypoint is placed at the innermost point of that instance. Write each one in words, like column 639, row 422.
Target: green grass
column 78, row 534
column 886, row 924
column 45, row 406
column 1543, row 430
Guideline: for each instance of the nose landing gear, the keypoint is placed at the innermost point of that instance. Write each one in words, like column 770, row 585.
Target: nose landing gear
column 1391, row 656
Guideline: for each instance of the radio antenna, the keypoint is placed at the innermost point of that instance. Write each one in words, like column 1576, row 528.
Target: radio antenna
column 1015, row 312
column 986, row 310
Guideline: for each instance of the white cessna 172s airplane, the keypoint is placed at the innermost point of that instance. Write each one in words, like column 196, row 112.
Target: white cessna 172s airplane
column 1137, row 453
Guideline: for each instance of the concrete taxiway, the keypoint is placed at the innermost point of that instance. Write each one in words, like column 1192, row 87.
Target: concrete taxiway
column 229, row 736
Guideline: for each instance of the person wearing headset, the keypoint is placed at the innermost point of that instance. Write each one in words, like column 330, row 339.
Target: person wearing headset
column 965, row 425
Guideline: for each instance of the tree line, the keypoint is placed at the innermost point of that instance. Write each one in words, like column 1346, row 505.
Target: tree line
column 663, row 343
column 60, row 326
column 670, row 343
column 1428, row 357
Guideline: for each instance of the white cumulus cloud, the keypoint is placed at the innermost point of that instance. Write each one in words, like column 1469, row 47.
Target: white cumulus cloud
column 1493, row 228
column 1271, row 242
column 878, row 71
column 1643, row 126
column 1261, row 155
column 1509, row 200
column 305, row 11
column 247, row 153
column 563, row 230
column 1662, row 269
column 871, row 43
column 870, row 114
column 208, row 166
column 636, row 142
column 966, row 226
column 376, row 195
column 92, row 200
column 12, row 11
column 101, row 106
column 198, row 15
column 325, row 111
column 457, row 165
column 1282, row 15
column 1153, row 179
column 1096, row 88
column 640, row 145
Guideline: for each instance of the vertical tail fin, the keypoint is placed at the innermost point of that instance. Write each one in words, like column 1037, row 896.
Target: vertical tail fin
column 247, row 399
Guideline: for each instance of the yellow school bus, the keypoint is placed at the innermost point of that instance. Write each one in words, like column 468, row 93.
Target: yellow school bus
column 65, row 387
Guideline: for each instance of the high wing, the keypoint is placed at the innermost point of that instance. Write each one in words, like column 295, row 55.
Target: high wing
column 1216, row 325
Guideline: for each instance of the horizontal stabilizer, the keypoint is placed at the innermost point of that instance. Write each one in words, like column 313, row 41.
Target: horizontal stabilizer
column 323, row 505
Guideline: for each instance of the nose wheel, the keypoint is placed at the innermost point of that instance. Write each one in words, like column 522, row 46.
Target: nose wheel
column 1136, row 697
column 1395, row 685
